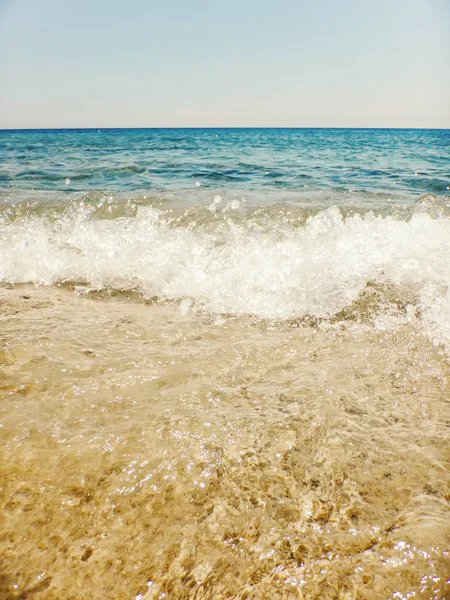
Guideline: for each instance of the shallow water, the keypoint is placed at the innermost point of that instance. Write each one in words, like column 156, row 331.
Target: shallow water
column 230, row 390
column 169, row 455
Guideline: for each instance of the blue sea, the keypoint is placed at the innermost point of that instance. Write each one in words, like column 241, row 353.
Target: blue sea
column 394, row 162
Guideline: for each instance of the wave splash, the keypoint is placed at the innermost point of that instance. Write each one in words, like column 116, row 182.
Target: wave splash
column 317, row 269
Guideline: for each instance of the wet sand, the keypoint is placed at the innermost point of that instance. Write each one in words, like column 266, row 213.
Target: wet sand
column 152, row 451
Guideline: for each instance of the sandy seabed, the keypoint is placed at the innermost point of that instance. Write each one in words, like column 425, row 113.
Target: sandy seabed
column 152, row 451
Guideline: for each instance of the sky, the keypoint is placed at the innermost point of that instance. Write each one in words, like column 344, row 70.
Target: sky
column 243, row 63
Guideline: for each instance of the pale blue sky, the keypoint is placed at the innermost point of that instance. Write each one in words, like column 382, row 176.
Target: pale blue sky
column 143, row 63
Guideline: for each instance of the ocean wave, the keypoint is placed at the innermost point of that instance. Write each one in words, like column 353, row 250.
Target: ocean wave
column 228, row 260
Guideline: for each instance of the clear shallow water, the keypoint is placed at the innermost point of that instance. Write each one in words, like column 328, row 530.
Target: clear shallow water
column 236, row 389
column 149, row 451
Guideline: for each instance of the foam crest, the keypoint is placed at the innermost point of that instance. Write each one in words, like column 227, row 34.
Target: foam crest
column 317, row 269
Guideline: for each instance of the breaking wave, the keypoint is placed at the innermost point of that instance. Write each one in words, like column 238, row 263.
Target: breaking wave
column 271, row 263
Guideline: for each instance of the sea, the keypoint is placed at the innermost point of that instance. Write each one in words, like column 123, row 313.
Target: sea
column 225, row 364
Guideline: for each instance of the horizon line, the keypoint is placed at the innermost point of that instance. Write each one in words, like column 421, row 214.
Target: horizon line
column 222, row 127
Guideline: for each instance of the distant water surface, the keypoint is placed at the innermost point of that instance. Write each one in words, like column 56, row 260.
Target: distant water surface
column 363, row 160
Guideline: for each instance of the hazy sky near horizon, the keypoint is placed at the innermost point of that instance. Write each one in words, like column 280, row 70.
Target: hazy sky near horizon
column 143, row 63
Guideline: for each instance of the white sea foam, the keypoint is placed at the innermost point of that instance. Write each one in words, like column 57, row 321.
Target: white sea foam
column 278, row 271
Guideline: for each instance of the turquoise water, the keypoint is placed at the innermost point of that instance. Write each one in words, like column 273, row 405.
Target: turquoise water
column 357, row 160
